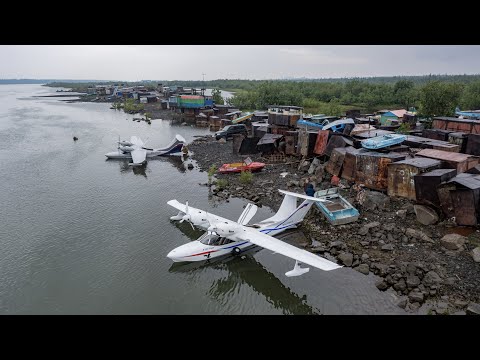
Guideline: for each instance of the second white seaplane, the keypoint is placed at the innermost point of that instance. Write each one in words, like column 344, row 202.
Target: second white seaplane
column 225, row 237
column 135, row 149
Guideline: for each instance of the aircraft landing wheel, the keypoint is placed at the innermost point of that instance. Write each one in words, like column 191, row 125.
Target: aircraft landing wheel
column 236, row 251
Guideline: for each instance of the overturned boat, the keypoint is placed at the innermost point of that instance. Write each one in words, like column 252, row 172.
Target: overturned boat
column 336, row 209
column 247, row 165
column 383, row 141
column 125, row 148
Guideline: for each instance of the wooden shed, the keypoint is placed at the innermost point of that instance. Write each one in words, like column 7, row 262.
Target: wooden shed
column 401, row 175
column 465, row 199
column 450, row 160
column 426, row 185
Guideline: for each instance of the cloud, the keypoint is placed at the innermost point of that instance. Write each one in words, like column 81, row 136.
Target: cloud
column 185, row 62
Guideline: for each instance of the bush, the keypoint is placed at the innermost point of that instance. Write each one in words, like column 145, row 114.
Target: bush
column 211, row 171
column 222, row 183
column 246, row 177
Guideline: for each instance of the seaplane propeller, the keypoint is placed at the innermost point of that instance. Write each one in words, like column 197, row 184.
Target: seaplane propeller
column 187, row 216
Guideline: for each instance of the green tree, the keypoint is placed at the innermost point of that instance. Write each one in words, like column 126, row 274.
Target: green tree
column 217, row 97
column 471, row 96
column 439, row 98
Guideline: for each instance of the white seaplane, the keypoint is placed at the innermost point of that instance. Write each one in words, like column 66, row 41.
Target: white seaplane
column 135, row 149
column 225, row 237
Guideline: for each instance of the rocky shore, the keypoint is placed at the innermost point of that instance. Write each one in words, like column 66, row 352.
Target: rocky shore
column 431, row 269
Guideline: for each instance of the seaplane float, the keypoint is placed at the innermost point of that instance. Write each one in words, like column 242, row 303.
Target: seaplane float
column 225, row 237
column 135, row 149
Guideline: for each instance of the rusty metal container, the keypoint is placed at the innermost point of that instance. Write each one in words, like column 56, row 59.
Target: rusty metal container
column 291, row 139
column 450, row 160
column 426, row 185
column 425, row 143
column 336, row 141
column 473, row 144
column 465, row 199
column 372, row 168
column 401, row 175
column 350, row 164
column 321, row 142
column 457, row 125
column 460, row 139
column 335, row 163
column 436, row 134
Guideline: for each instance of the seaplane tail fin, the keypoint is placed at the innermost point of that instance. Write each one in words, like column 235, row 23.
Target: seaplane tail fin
column 247, row 214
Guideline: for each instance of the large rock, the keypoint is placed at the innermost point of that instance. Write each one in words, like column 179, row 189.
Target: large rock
column 431, row 278
column 418, row 235
column 313, row 166
column 400, row 285
column 476, row 254
column 337, row 244
column 453, row 241
column 376, row 200
column 363, row 268
column 416, row 296
column 346, row 258
column 387, row 247
column 304, row 166
column 413, row 281
column 425, row 215
column 402, row 214
column 366, row 228
column 381, row 284
column 473, row 309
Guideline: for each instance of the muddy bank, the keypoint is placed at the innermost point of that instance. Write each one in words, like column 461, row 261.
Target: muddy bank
column 429, row 274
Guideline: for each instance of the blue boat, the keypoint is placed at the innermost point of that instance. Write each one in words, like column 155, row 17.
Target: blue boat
column 336, row 209
column 335, row 126
column 474, row 114
column 383, row 141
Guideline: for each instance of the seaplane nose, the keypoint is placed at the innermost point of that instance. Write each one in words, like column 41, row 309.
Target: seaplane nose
column 172, row 255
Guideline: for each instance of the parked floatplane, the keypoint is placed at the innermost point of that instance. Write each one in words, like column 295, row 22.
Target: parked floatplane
column 135, row 149
column 224, row 237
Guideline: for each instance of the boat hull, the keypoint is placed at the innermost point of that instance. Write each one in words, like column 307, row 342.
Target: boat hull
column 336, row 210
column 236, row 168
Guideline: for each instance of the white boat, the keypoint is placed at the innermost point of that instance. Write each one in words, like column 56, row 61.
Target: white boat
column 125, row 149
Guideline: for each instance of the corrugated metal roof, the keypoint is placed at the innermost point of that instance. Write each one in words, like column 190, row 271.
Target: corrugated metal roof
column 269, row 139
column 454, row 119
column 399, row 113
column 421, row 163
column 471, row 181
column 444, row 155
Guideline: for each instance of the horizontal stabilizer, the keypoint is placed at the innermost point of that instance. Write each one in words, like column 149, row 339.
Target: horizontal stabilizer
column 301, row 196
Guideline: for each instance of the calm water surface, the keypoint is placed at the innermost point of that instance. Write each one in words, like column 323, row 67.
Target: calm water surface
column 84, row 235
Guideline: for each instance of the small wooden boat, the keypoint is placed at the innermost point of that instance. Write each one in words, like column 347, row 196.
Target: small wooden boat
column 383, row 141
column 247, row 165
column 337, row 210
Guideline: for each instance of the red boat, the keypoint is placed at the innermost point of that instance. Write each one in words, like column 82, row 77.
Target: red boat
column 247, row 165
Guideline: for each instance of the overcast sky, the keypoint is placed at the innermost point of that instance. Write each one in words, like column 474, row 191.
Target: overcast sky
column 189, row 62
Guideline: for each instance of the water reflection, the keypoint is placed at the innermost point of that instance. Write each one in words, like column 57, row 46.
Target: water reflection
column 175, row 161
column 245, row 269
column 137, row 170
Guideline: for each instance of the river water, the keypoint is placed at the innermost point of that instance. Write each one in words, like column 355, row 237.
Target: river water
column 84, row 235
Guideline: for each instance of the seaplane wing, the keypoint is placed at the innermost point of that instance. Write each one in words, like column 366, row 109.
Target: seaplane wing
column 301, row 196
column 198, row 216
column 138, row 155
column 281, row 247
